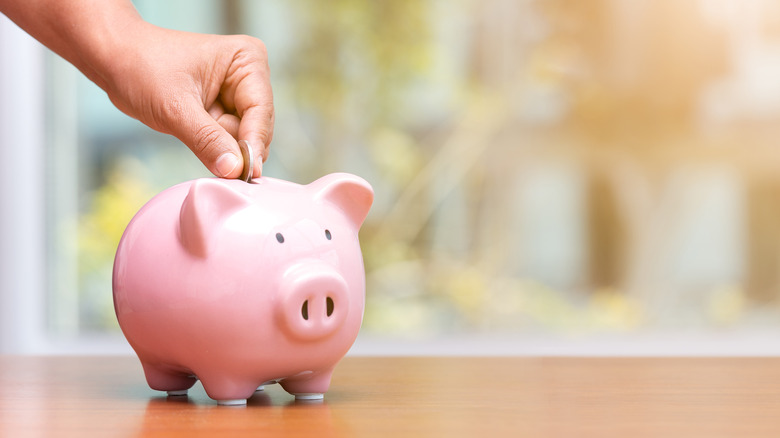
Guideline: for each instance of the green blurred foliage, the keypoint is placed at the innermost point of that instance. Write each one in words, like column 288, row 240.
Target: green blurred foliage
column 100, row 228
column 355, row 53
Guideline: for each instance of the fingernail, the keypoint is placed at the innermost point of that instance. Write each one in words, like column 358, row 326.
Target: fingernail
column 260, row 166
column 226, row 163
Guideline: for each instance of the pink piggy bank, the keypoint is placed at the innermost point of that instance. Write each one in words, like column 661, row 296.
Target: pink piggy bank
column 244, row 284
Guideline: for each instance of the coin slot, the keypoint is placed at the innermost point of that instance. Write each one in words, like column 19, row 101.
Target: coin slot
column 329, row 305
column 305, row 310
column 279, row 238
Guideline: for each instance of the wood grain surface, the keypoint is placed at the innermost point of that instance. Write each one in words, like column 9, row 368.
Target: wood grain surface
column 400, row 397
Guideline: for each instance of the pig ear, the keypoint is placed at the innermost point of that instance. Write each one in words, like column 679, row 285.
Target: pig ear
column 349, row 193
column 207, row 204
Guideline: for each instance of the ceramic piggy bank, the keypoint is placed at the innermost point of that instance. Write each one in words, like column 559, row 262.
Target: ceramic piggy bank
column 244, row 284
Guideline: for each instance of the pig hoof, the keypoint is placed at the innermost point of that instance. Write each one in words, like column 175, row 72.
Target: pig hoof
column 232, row 402
column 261, row 388
column 177, row 393
column 309, row 396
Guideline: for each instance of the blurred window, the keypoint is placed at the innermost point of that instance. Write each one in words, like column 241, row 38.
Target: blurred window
column 544, row 168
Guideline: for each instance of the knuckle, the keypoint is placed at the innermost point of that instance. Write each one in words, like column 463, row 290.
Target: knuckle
column 262, row 116
column 264, row 135
column 250, row 57
column 246, row 42
column 255, row 43
column 267, row 112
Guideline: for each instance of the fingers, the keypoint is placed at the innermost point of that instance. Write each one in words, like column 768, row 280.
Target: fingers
column 231, row 124
column 228, row 121
column 209, row 138
column 247, row 90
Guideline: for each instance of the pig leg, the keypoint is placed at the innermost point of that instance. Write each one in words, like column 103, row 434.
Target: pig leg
column 174, row 383
column 311, row 386
column 227, row 391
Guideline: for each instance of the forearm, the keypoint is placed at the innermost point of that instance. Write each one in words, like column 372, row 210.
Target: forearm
column 87, row 33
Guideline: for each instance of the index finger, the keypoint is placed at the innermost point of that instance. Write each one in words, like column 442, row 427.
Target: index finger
column 257, row 127
column 247, row 88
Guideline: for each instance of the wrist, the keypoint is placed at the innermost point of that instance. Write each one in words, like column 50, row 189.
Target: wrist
column 106, row 42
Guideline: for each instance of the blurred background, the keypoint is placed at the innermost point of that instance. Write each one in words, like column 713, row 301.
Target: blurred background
column 551, row 177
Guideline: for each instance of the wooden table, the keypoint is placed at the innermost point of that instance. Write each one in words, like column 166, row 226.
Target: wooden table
column 400, row 397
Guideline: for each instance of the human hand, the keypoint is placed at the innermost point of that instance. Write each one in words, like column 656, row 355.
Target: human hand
column 208, row 91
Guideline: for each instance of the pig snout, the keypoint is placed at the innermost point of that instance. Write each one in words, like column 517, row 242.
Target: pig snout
column 314, row 301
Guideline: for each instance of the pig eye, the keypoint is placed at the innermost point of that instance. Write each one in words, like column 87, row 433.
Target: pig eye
column 279, row 238
column 327, row 234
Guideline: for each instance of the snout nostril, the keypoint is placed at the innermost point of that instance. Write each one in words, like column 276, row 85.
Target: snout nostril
column 329, row 305
column 305, row 310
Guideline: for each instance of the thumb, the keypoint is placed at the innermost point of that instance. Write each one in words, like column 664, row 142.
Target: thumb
column 210, row 142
